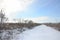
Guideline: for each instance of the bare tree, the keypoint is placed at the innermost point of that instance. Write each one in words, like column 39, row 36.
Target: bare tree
column 2, row 17
column 30, row 21
column 26, row 21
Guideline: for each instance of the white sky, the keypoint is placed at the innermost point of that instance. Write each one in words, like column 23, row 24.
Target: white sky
column 12, row 6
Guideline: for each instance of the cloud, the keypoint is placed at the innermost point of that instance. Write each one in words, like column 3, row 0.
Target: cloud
column 45, row 19
column 39, row 19
column 42, row 19
column 12, row 6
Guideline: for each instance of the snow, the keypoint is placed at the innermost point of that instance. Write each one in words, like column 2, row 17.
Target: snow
column 41, row 32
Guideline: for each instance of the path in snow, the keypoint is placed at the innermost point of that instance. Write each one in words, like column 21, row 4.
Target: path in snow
column 38, row 33
column 41, row 33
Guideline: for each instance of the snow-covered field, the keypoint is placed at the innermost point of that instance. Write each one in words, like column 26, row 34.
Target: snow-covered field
column 38, row 33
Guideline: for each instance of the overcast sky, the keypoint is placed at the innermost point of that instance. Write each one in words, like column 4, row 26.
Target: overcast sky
column 36, row 10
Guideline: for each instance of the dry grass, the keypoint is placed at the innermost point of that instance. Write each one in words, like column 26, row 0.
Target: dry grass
column 17, row 25
column 54, row 25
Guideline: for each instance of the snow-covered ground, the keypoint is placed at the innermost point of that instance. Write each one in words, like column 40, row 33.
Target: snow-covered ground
column 38, row 33
column 41, row 33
